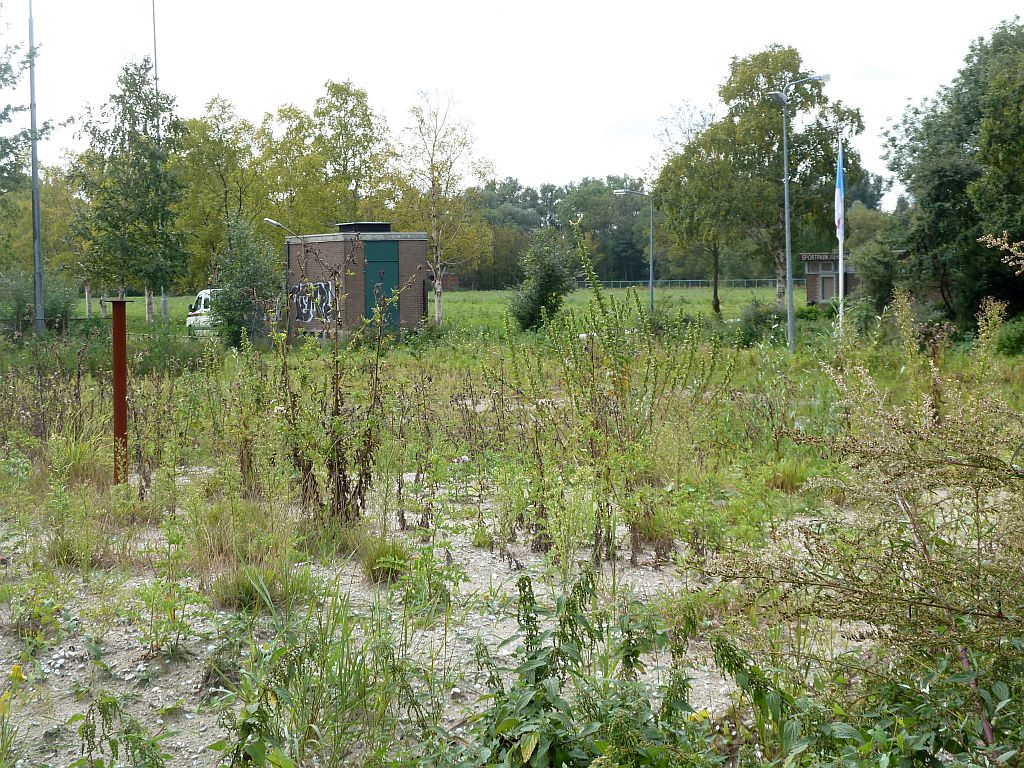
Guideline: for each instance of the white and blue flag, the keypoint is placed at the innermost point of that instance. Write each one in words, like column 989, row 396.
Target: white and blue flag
column 840, row 230
column 840, row 202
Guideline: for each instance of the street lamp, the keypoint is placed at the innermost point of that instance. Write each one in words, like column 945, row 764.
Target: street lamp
column 287, row 256
column 650, row 277
column 279, row 225
column 782, row 97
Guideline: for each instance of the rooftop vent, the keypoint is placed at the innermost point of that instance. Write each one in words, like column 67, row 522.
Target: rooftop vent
column 365, row 226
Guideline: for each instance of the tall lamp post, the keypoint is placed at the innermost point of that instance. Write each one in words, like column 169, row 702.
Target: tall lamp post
column 287, row 257
column 287, row 262
column 782, row 97
column 650, row 277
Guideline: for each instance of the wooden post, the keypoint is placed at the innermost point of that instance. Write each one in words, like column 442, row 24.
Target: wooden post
column 120, row 375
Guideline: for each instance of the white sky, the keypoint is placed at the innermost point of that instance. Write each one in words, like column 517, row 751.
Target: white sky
column 554, row 90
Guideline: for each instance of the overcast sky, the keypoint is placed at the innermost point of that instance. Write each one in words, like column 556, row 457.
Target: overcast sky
column 554, row 90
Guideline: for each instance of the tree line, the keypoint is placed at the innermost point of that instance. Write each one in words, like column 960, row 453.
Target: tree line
column 151, row 201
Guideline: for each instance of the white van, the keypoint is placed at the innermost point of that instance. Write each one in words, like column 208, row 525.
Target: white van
column 199, row 320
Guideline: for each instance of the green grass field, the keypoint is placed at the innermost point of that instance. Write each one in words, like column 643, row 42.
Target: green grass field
column 484, row 311
column 177, row 310
column 480, row 310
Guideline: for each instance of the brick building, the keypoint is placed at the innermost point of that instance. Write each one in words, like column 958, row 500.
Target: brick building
column 341, row 276
column 822, row 272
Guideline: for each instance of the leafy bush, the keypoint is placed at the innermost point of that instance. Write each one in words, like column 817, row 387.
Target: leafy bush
column 878, row 268
column 248, row 278
column 862, row 315
column 107, row 730
column 17, row 300
column 927, row 482
column 1011, row 337
column 165, row 350
column 809, row 312
column 761, row 322
column 429, row 584
column 548, row 280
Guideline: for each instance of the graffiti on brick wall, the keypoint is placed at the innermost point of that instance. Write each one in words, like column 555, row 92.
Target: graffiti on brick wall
column 312, row 301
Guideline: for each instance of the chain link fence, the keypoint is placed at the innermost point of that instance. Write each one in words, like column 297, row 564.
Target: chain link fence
column 737, row 283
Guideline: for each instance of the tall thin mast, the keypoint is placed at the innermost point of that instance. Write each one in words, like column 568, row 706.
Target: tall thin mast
column 156, row 77
column 37, row 249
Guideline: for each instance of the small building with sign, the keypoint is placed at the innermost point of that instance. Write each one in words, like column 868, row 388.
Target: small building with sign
column 822, row 272
column 341, row 277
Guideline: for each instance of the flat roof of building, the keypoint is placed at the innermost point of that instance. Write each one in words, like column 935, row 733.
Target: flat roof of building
column 335, row 236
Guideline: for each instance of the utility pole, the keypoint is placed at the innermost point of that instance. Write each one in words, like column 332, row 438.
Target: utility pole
column 37, row 248
column 156, row 76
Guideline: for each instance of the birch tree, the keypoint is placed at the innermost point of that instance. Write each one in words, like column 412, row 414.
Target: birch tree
column 440, row 160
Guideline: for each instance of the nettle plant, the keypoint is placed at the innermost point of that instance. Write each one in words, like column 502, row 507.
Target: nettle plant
column 923, row 561
column 592, row 401
column 334, row 406
column 574, row 697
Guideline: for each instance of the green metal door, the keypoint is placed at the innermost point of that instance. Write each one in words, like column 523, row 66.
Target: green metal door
column 382, row 277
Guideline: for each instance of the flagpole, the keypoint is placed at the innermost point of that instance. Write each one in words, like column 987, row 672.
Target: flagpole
column 841, row 231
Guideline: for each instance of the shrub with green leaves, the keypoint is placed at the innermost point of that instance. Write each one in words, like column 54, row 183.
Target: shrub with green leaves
column 879, row 270
column 109, row 735
column 761, row 322
column 248, row 276
column 1011, row 337
column 552, row 710
column 17, row 299
column 548, row 269
column 923, row 558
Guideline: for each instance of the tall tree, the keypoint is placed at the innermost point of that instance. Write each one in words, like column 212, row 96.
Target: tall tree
column 514, row 212
column 329, row 165
column 352, row 141
column 508, row 203
column 14, row 145
column 697, row 190
column 440, row 158
column 61, row 242
column 130, row 185
column 615, row 227
column 752, row 128
column 293, row 171
column 222, row 183
column 960, row 156
column 869, row 191
column 999, row 192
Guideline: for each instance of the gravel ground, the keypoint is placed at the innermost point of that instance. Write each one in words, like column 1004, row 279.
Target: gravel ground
column 168, row 695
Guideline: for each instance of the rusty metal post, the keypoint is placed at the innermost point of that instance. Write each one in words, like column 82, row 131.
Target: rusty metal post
column 120, row 373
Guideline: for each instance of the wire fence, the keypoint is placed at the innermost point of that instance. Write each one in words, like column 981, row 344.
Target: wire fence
column 736, row 283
